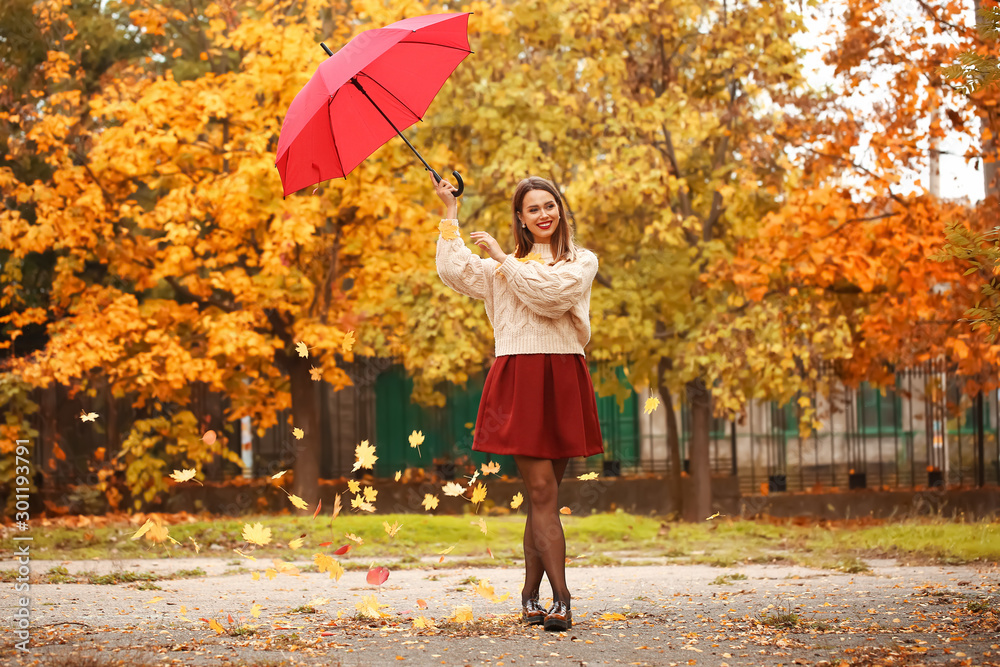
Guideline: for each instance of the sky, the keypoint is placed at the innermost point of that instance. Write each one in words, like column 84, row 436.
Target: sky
column 959, row 177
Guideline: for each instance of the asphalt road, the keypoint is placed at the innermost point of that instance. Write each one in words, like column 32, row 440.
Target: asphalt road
column 642, row 615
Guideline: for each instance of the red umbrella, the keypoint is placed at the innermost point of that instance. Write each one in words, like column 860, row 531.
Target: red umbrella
column 379, row 83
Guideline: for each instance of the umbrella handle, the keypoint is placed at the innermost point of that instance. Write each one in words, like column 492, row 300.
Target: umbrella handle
column 458, row 177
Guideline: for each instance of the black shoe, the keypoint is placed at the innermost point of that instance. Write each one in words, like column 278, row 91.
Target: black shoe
column 559, row 617
column 532, row 613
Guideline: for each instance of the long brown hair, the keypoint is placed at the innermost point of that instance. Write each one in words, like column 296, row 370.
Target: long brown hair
column 562, row 242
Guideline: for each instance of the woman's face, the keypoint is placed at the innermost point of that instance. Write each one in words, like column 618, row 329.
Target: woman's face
column 540, row 213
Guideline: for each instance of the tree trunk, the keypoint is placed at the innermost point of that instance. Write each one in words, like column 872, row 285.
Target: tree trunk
column 991, row 185
column 673, row 440
column 698, row 504
column 305, row 415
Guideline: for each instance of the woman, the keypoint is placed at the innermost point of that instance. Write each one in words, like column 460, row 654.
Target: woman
column 538, row 394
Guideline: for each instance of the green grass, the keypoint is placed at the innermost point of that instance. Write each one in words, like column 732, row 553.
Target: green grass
column 726, row 579
column 597, row 539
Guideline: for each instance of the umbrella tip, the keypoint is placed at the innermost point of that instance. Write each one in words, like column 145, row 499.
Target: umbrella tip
column 326, row 48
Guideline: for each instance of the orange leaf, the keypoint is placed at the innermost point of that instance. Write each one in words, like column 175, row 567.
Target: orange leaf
column 342, row 550
column 58, row 452
column 565, row 510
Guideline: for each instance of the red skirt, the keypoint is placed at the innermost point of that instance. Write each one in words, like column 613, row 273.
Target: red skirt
column 540, row 405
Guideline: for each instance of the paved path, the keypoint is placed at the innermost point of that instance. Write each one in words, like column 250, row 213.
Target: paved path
column 645, row 615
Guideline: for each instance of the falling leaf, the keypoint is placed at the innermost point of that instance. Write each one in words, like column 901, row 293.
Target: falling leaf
column 482, row 525
column 316, row 373
column 393, row 529
column 215, row 625
column 296, row 543
column 154, row 599
column 478, row 494
column 256, row 534
column 359, row 503
column 57, row 450
column 298, row 502
column 651, row 404
column 364, row 455
column 472, row 480
column 157, row 533
column 209, row 438
column 142, row 530
column 377, row 575
column 421, row 604
column 298, row 433
column 565, row 510
column 88, row 416
column 453, row 489
column 429, row 502
column 247, row 556
column 255, row 610
column 278, row 474
column 712, row 517
column 448, row 550
column 342, row 550
column 587, row 476
column 318, row 506
column 301, row 348
column 99, row 453
column 399, row 473
column 354, row 538
column 319, row 602
column 416, row 439
column 369, row 606
column 183, row 475
column 285, row 568
column 255, row 575
column 354, row 486
column 370, row 494
column 270, row 573
column 612, row 617
column 516, row 501
column 491, row 468
column 484, row 589
column 197, row 549
column 348, row 342
column 463, row 614
column 336, row 507
column 326, row 563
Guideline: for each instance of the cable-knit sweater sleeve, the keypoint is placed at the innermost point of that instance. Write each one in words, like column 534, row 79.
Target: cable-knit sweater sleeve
column 550, row 291
column 458, row 267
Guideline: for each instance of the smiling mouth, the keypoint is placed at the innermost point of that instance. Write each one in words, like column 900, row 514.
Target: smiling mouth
column 545, row 226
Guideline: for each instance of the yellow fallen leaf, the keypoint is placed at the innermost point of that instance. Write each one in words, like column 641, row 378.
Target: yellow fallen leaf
column 215, row 625
column 370, row 494
column 453, row 489
column 270, row 573
column 315, row 374
column 482, row 525
column 364, row 455
column 88, row 416
column 462, row 614
column 354, row 486
column 416, row 439
column 354, row 538
column 325, row 563
column 255, row 610
column 278, row 474
column 256, row 534
column 491, row 468
column 142, row 530
column 244, row 555
column 155, row 599
column 478, row 494
column 429, row 502
column 612, row 617
column 421, row 622
column 298, row 433
column 255, row 575
column 348, row 342
column 651, row 404
column 296, row 543
column 448, row 550
column 302, row 349
column 393, row 529
column 183, row 475
column 587, row 476
column 398, row 475
column 516, row 500
column 369, row 607
column 298, row 502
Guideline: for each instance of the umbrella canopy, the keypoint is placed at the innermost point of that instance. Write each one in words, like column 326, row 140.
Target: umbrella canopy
column 378, row 84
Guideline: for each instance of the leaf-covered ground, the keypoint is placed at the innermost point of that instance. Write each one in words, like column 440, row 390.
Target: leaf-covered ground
column 648, row 615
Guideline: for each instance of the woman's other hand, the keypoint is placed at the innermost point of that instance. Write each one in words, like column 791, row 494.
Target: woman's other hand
column 484, row 240
column 445, row 192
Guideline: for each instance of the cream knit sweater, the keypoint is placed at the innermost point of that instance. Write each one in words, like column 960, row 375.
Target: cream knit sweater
column 534, row 308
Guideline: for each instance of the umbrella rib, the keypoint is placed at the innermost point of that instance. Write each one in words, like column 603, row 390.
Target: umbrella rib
column 443, row 46
column 401, row 103
column 336, row 149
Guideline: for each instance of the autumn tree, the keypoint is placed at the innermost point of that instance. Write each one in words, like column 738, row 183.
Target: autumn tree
column 177, row 259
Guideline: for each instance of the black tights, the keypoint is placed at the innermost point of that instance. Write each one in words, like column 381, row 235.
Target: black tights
column 544, row 542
